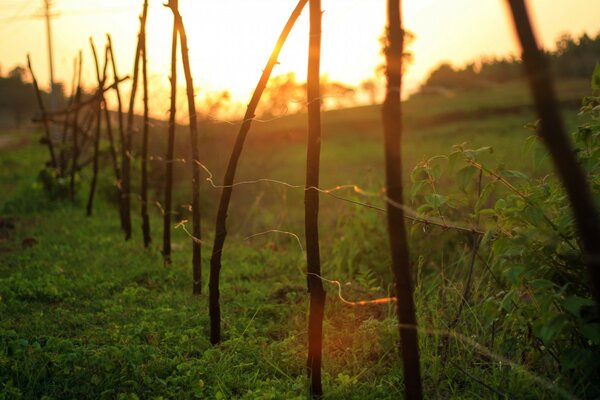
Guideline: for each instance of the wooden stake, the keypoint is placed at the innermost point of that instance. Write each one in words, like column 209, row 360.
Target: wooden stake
column 220, row 225
column 43, row 111
column 90, row 202
column 170, row 149
column 127, row 144
column 196, row 261
column 311, row 204
column 121, row 131
column 144, row 183
column 75, row 151
column 408, row 345
column 554, row 136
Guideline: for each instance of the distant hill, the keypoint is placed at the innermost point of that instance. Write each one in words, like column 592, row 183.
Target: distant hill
column 574, row 58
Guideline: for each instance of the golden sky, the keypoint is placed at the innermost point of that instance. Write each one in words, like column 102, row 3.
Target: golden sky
column 230, row 40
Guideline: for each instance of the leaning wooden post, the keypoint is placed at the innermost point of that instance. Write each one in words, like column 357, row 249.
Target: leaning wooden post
column 555, row 138
column 90, row 202
column 75, row 151
column 220, row 225
column 408, row 345
column 121, row 130
column 311, row 203
column 196, row 239
column 170, row 148
column 127, row 144
column 144, row 183
column 44, row 117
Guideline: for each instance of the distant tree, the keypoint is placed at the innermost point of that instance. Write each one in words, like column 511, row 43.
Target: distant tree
column 283, row 95
column 336, row 95
column 573, row 58
column 17, row 97
column 213, row 105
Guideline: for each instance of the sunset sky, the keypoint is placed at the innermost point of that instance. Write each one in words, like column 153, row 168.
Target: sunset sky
column 230, row 40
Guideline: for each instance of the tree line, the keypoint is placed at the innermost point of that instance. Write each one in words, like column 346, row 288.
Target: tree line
column 574, row 58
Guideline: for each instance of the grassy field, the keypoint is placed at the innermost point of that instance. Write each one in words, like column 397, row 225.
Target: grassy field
column 86, row 315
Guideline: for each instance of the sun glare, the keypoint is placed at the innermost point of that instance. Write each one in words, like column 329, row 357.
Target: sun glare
column 230, row 40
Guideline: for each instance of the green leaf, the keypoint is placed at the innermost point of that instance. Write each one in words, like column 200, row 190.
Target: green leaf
column 573, row 304
column 596, row 78
column 534, row 216
column 435, row 200
column 453, row 159
column 509, row 173
column 473, row 154
column 485, row 194
column 416, row 188
column 575, row 358
column 436, row 171
column 514, row 274
column 506, row 303
column 548, row 331
column 541, row 284
column 464, row 176
column 592, row 332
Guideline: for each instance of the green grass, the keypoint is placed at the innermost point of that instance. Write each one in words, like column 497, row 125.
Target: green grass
column 85, row 314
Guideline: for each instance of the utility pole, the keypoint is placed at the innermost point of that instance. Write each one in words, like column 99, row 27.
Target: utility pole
column 48, row 5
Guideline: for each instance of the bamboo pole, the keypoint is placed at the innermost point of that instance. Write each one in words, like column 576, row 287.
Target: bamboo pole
column 196, row 233
column 408, row 345
column 554, row 136
column 170, row 149
column 311, row 204
column 221, row 221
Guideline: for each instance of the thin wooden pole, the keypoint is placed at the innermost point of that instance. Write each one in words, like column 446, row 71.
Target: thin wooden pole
column 311, row 203
column 145, row 131
column 90, row 203
column 554, row 136
column 170, row 148
column 127, row 144
column 75, row 154
column 121, row 131
column 109, row 131
column 408, row 346
column 196, row 233
column 221, row 221
column 44, row 117
column 65, row 131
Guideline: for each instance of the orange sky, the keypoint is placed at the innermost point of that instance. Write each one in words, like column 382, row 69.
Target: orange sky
column 230, row 40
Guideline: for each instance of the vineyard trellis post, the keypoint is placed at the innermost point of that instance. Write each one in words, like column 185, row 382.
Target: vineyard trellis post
column 193, row 121
column 109, row 131
column 121, row 130
column 554, row 136
column 65, row 130
column 145, row 132
column 408, row 344
column 227, row 189
column 128, row 139
column 170, row 148
column 95, row 167
column 40, row 101
column 311, row 203
column 75, row 149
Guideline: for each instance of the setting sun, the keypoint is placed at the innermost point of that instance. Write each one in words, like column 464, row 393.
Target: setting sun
column 230, row 40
